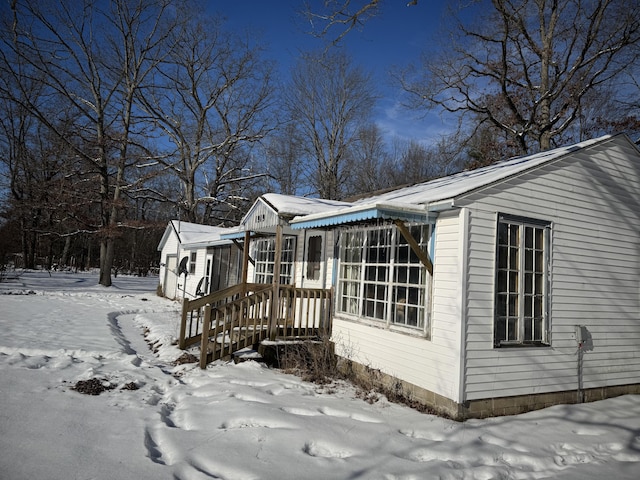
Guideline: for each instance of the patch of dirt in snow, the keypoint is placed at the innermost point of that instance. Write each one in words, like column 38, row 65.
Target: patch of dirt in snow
column 93, row 386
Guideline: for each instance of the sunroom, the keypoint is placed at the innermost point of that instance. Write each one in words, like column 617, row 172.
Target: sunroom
column 382, row 264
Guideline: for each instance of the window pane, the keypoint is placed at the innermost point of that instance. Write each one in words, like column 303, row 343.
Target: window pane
column 503, row 257
column 528, row 237
column 501, row 307
column 528, row 283
column 514, row 235
column 514, row 258
column 539, row 262
column 513, row 281
column 501, row 286
column 528, row 260
column 503, row 234
column 539, row 234
column 512, row 329
column 513, row 305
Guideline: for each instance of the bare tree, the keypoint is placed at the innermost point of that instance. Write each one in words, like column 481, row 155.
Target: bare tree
column 284, row 155
column 328, row 99
column 527, row 67
column 367, row 162
column 342, row 16
column 90, row 62
column 209, row 101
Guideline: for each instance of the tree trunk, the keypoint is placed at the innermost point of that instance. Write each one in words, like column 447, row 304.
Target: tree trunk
column 64, row 258
column 106, row 261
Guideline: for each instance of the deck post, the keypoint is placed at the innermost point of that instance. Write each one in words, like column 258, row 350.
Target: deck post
column 275, row 300
column 204, row 336
column 245, row 261
column 183, row 324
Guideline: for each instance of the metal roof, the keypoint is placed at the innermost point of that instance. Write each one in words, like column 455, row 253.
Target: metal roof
column 359, row 213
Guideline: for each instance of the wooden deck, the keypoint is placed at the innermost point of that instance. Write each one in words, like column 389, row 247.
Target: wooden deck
column 246, row 314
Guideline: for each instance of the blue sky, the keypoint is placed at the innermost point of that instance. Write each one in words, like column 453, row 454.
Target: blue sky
column 394, row 38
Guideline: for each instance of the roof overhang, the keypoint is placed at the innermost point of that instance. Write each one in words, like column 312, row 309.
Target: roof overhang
column 364, row 212
column 233, row 234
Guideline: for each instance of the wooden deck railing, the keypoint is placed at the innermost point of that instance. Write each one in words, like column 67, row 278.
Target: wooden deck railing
column 302, row 312
column 245, row 315
column 193, row 310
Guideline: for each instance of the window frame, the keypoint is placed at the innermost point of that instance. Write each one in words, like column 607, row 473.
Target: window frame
column 371, row 278
column 522, row 282
column 193, row 257
column 313, row 268
column 264, row 259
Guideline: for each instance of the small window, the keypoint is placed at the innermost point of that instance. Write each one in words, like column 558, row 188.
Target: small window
column 192, row 262
column 522, row 271
column 314, row 257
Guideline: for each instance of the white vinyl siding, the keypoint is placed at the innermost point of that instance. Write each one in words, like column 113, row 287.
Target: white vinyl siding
column 591, row 198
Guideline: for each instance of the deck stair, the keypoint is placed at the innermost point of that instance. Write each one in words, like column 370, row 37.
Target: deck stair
column 244, row 315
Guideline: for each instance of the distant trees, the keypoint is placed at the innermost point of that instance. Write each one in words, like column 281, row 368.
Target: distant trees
column 328, row 100
column 527, row 71
column 106, row 104
column 88, row 61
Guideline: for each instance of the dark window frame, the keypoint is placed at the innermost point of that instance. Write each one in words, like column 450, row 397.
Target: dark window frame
column 522, row 282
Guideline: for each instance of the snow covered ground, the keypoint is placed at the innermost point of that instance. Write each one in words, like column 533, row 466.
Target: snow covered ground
column 243, row 421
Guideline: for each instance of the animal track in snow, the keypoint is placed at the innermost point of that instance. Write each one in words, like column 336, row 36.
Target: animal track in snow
column 248, row 422
column 433, row 436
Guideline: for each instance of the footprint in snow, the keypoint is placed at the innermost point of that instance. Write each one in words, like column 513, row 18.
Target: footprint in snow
column 332, row 412
column 303, row 412
column 248, row 398
column 325, row 450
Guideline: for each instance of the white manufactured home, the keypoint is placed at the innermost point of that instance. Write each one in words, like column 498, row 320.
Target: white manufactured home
column 195, row 261
column 497, row 290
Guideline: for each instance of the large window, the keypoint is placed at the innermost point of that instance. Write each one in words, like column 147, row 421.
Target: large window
column 264, row 256
column 522, row 269
column 381, row 278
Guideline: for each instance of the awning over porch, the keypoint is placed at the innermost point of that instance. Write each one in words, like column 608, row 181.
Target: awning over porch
column 363, row 212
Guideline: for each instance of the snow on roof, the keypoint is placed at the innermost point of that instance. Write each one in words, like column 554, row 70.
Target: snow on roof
column 193, row 234
column 457, row 184
column 292, row 205
column 444, row 188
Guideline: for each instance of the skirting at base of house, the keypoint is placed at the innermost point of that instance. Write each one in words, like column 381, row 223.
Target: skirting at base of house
column 431, row 402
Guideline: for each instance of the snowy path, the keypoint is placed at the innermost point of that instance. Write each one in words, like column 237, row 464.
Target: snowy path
column 245, row 421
